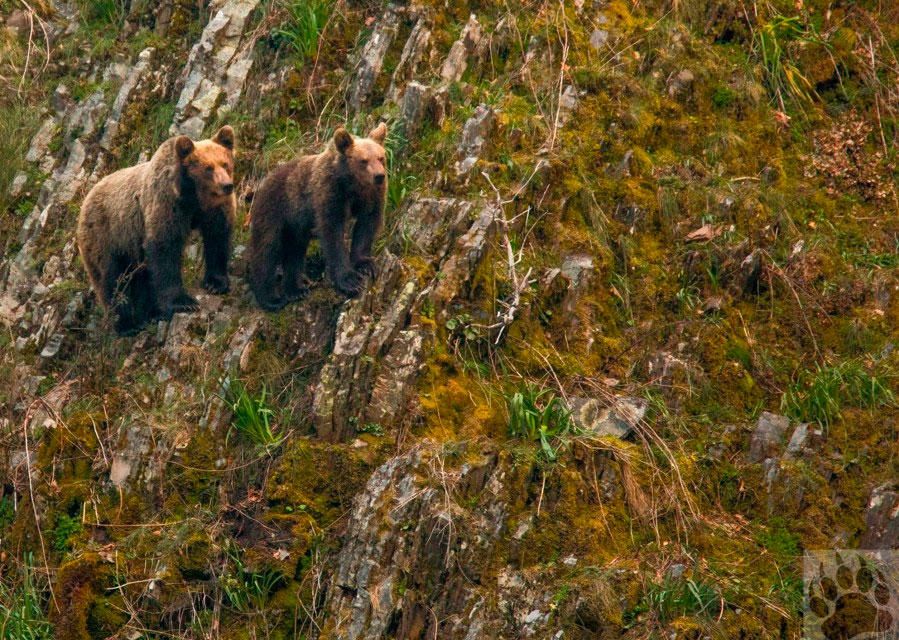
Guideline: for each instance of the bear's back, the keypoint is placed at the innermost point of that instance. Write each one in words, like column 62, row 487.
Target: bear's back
column 111, row 213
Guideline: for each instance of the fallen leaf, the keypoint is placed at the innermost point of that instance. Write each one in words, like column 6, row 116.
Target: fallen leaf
column 704, row 233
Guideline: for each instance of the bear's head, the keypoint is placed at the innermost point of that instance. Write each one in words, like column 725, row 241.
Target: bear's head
column 365, row 157
column 209, row 166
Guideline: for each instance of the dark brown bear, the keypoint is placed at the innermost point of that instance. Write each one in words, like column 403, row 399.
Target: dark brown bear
column 134, row 224
column 315, row 196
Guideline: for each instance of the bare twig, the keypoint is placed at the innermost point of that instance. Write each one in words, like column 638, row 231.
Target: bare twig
column 31, row 495
column 32, row 15
column 563, row 66
column 506, row 316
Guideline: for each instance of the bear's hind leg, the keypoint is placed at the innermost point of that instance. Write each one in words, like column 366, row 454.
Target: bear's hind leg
column 143, row 298
column 164, row 256
column 295, row 284
column 266, row 255
column 119, row 289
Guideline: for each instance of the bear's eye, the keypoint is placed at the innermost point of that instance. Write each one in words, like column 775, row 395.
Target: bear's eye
column 363, row 160
column 210, row 169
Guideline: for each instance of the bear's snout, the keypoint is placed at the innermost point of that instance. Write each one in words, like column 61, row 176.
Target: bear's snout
column 379, row 178
column 228, row 188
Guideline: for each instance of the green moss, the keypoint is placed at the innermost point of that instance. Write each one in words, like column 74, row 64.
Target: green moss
column 66, row 527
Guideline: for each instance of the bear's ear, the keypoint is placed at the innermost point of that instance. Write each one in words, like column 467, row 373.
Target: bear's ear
column 342, row 140
column 184, row 146
column 379, row 133
column 225, row 137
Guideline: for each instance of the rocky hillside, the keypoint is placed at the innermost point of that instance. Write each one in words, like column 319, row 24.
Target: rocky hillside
column 629, row 353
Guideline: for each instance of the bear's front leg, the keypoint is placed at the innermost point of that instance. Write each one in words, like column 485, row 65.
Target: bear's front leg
column 346, row 280
column 216, row 231
column 163, row 253
column 364, row 231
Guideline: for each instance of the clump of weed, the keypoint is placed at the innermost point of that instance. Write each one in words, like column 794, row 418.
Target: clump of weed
column 252, row 419
column 301, row 30
column 540, row 416
column 17, row 122
column 244, row 589
column 21, row 607
column 820, row 395
column 675, row 597
column 776, row 43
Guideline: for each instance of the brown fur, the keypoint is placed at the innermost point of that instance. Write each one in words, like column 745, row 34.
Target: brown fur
column 316, row 195
column 134, row 224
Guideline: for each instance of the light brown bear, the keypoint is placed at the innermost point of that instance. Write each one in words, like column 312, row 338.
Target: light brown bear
column 134, row 224
column 315, row 196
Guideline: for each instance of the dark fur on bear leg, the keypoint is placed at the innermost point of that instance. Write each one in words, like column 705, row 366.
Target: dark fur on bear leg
column 128, row 320
column 366, row 266
column 216, row 283
column 266, row 255
column 184, row 302
column 350, row 283
column 294, row 263
column 296, row 292
column 127, row 324
column 134, row 300
column 272, row 304
column 216, row 232
column 126, row 327
column 346, row 280
column 164, row 257
column 142, row 296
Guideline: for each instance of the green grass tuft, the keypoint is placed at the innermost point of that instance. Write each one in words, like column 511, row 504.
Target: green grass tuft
column 252, row 418
column 540, row 416
column 820, row 395
column 21, row 608
column 673, row 598
column 305, row 21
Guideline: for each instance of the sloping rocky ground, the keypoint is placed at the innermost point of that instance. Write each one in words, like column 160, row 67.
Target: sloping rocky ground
column 676, row 221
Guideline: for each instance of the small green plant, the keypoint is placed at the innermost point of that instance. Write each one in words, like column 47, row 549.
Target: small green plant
column 21, row 607
column 723, row 97
column 870, row 259
column 688, row 298
column 150, row 131
column 672, row 598
column 540, row 416
column 399, row 183
column 245, row 590
column 819, row 395
column 468, row 342
column 102, row 12
column 371, row 427
column 775, row 43
column 17, row 123
column 460, row 327
column 65, row 528
column 398, row 187
column 252, row 417
column 621, row 289
column 304, row 24
column 7, row 513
